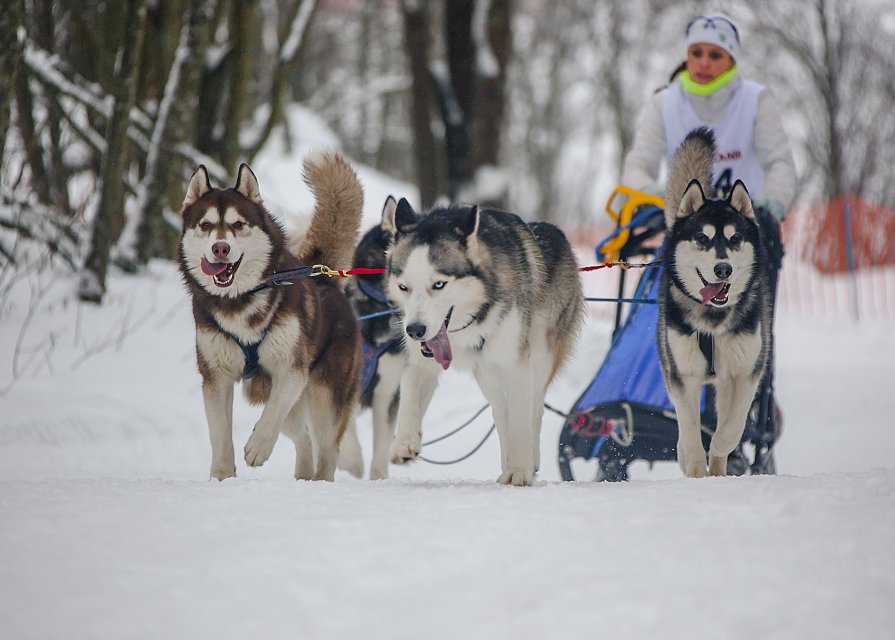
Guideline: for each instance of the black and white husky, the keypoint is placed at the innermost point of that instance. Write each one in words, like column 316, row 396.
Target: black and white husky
column 382, row 346
column 715, row 305
column 482, row 290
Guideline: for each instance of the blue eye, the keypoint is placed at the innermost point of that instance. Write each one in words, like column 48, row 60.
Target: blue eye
column 403, row 287
column 439, row 285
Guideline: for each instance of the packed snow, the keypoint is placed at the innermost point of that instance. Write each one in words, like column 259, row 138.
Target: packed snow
column 110, row 528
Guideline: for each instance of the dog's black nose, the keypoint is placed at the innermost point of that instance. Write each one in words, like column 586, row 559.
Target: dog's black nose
column 723, row 270
column 416, row 331
column 220, row 250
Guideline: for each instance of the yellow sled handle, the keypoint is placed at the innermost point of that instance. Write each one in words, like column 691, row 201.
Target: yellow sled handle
column 621, row 206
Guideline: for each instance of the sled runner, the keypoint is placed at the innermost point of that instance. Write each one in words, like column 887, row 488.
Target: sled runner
column 625, row 414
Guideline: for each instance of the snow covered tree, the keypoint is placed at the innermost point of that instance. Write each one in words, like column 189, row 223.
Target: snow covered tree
column 836, row 75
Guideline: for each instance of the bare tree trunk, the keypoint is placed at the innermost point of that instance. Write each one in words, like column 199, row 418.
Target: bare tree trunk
column 243, row 21
column 615, row 93
column 57, row 175
column 9, row 57
column 110, row 211
column 300, row 15
column 490, row 85
column 456, row 94
column 478, row 35
column 177, row 105
column 28, row 130
column 832, row 62
column 424, row 147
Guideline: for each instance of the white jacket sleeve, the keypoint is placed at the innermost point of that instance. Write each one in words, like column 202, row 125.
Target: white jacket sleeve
column 774, row 153
column 643, row 163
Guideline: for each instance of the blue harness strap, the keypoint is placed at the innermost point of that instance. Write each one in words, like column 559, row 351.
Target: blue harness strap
column 372, row 291
column 371, row 353
column 250, row 353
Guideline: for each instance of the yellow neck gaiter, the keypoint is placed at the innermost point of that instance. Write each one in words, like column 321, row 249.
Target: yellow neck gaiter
column 694, row 88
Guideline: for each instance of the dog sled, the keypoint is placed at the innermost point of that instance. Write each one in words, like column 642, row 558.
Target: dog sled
column 624, row 415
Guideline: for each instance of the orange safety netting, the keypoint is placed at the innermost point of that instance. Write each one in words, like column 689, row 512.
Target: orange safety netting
column 872, row 233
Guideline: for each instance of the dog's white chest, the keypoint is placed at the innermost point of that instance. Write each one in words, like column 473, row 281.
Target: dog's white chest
column 726, row 354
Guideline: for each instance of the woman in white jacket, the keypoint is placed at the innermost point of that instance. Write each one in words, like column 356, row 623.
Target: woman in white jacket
column 708, row 91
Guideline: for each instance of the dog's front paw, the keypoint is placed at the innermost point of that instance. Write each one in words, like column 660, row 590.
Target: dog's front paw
column 379, row 470
column 259, row 447
column 517, row 478
column 717, row 465
column 694, row 469
column 691, row 460
column 222, row 472
column 405, row 449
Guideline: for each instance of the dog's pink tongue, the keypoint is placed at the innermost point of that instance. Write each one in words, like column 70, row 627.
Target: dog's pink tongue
column 440, row 346
column 212, row 268
column 709, row 291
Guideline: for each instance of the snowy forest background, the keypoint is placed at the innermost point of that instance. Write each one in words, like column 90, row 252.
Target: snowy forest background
column 106, row 107
column 110, row 527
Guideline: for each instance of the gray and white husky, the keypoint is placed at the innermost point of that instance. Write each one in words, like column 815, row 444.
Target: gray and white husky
column 295, row 348
column 482, row 290
column 715, row 305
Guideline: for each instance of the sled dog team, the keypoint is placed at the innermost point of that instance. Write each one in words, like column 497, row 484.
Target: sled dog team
column 474, row 288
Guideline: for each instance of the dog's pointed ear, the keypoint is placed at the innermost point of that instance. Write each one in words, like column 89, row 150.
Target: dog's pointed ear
column 469, row 223
column 198, row 186
column 247, row 184
column 388, row 215
column 739, row 199
column 694, row 197
column 405, row 217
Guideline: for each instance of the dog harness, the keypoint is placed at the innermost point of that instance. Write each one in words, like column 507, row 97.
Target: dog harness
column 707, row 346
column 250, row 353
column 372, row 352
column 372, row 291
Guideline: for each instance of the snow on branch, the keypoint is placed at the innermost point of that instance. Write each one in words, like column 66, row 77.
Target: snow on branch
column 486, row 63
column 48, row 69
column 359, row 96
column 297, row 31
column 37, row 222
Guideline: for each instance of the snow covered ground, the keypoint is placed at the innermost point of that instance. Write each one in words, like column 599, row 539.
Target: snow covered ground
column 109, row 527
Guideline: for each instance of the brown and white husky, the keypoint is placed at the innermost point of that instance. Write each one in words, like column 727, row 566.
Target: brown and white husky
column 295, row 348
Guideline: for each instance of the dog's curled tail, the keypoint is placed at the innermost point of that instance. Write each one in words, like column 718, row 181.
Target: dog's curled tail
column 694, row 159
column 333, row 230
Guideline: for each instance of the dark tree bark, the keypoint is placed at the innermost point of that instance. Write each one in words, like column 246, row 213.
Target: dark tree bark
column 243, row 21
column 177, row 107
column 110, row 211
column 477, row 62
column 490, row 91
column 9, row 57
column 292, row 45
column 457, row 96
column 425, row 152
column 27, row 129
column 57, row 174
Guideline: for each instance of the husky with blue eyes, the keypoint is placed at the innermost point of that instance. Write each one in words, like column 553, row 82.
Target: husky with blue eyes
column 715, row 305
column 480, row 290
